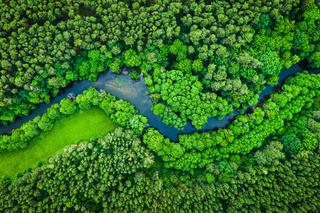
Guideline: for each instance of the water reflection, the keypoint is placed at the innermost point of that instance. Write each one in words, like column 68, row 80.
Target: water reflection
column 136, row 92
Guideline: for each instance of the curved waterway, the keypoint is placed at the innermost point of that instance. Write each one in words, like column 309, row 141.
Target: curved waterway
column 136, row 92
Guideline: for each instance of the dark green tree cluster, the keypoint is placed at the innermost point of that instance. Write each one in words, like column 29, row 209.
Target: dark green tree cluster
column 84, row 174
column 116, row 173
column 42, row 44
column 199, row 59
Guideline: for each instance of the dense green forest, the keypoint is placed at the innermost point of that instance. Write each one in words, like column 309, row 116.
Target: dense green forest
column 94, row 152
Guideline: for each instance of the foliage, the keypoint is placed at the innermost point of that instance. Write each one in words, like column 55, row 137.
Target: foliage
column 199, row 59
column 91, row 123
column 291, row 143
column 246, row 132
column 121, row 113
column 116, row 173
column 106, row 163
column 47, row 46
column 182, row 99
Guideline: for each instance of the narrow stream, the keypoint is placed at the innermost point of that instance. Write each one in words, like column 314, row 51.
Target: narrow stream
column 135, row 92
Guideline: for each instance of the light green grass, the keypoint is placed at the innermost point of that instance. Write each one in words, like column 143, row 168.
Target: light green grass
column 68, row 130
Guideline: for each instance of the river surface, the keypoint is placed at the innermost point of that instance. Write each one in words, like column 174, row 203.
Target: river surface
column 136, row 92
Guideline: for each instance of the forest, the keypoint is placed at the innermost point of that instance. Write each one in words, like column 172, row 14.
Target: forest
column 245, row 75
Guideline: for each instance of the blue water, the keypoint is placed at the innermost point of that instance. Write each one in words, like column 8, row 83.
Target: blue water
column 136, row 92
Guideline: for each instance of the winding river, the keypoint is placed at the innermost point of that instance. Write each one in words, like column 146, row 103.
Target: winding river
column 135, row 92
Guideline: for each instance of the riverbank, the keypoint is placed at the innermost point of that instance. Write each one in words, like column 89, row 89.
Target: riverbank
column 68, row 130
column 136, row 93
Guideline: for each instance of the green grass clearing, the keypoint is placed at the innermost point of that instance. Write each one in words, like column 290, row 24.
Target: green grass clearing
column 67, row 130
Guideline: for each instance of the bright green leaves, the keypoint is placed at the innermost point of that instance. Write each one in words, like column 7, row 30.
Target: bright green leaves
column 67, row 107
column 302, row 41
column 311, row 15
column 271, row 64
column 115, row 65
column 162, row 146
column 181, row 99
column 123, row 113
column 138, row 123
column 184, row 65
column 88, row 99
column 45, row 123
column 179, row 50
column 131, row 58
column 197, row 65
column 251, row 131
column 95, row 62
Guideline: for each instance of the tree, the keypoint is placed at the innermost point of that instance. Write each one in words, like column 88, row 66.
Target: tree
column 197, row 65
column 53, row 111
column 45, row 123
column 315, row 59
column 131, row 58
column 67, row 107
column 291, row 143
column 264, row 21
column 270, row 155
column 115, row 65
column 271, row 64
